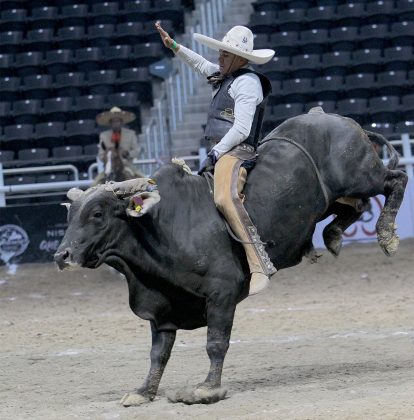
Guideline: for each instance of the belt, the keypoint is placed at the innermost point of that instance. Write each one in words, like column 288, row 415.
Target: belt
column 242, row 146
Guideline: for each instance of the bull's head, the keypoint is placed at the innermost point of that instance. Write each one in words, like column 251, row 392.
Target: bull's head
column 97, row 219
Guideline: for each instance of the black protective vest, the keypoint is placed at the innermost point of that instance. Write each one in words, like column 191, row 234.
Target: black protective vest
column 221, row 113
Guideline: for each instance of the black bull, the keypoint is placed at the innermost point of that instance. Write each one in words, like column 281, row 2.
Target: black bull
column 183, row 269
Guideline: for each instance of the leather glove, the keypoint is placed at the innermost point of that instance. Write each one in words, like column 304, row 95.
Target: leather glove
column 208, row 164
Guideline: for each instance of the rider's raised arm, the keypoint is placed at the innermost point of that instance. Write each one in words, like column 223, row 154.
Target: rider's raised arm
column 196, row 61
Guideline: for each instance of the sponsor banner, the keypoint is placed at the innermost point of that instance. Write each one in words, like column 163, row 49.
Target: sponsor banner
column 364, row 229
column 31, row 233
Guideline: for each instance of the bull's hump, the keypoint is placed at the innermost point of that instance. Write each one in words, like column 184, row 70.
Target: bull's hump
column 316, row 110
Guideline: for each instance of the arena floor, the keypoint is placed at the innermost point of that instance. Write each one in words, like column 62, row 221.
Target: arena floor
column 332, row 340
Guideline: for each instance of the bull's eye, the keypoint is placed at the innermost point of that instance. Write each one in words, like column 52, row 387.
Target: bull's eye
column 97, row 214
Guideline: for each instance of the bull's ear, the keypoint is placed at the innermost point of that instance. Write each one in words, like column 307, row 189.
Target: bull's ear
column 139, row 204
column 74, row 194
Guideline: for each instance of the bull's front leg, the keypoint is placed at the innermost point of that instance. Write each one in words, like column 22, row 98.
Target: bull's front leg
column 162, row 343
column 220, row 315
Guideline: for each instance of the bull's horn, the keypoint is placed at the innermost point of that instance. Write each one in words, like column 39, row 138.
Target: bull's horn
column 67, row 205
column 74, row 194
column 129, row 187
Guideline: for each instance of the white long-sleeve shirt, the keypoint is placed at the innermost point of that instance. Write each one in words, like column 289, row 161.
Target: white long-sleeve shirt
column 246, row 90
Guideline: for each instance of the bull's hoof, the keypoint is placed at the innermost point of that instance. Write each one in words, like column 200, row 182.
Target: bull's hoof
column 133, row 400
column 389, row 244
column 332, row 237
column 200, row 395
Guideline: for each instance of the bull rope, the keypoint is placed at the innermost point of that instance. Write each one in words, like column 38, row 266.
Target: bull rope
column 307, row 154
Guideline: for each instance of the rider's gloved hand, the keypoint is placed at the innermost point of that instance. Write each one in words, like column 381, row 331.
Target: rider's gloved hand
column 208, row 163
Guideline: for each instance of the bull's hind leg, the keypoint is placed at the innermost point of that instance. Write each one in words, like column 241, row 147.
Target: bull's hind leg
column 345, row 216
column 162, row 343
column 220, row 314
column 394, row 188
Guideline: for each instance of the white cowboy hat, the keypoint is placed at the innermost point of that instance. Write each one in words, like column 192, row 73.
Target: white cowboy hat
column 239, row 41
column 104, row 118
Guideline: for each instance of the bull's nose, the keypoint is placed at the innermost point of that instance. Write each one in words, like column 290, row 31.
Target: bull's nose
column 62, row 257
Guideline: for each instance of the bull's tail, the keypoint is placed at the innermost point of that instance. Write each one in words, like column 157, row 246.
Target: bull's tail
column 380, row 140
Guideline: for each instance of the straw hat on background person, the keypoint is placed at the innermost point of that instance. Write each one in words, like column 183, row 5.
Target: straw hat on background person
column 104, row 118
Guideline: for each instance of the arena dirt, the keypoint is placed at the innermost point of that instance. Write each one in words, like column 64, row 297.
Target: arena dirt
column 333, row 340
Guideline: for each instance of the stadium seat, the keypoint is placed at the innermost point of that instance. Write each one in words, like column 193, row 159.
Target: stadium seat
column 71, row 37
column 385, row 129
column 67, row 151
column 403, row 32
column 6, row 62
column 317, row 15
column 352, row 106
column 13, row 19
column 19, row 180
column 37, row 86
column 124, row 99
column 5, row 114
column 87, row 106
column 287, row 110
column 26, row 111
column 359, row 85
column 366, row 60
column 374, row 35
column 391, row 82
column 10, row 41
column 343, row 33
column 33, row 154
column 90, row 149
column 328, row 84
column 267, row 5
column 70, row 79
column 408, row 101
column 44, row 13
column 52, row 177
column 105, row 8
column 88, row 59
column 405, row 126
column 284, row 38
column 80, row 128
column 350, row 10
column 9, row 88
column 384, row 104
column 336, row 63
column 6, row 155
column 148, row 53
column 117, row 56
column 27, row 63
column 74, row 14
column 58, row 61
column 105, row 12
column 263, row 22
column 57, row 108
column 100, row 35
column 276, row 66
column 305, row 61
column 130, row 33
column 290, row 15
column 398, row 53
column 39, row 39
column 296, row 86
column 316, row 35
column 137, row 6
column 50, row 130
column 170, row 10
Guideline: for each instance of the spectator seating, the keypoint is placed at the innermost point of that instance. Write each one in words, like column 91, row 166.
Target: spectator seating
column 354, row 58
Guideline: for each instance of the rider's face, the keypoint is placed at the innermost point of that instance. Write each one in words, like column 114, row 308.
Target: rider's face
column 228, row 62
